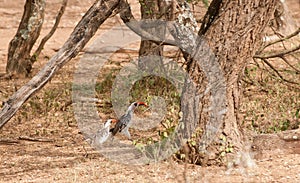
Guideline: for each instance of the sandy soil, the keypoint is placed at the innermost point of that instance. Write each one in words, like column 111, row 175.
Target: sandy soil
column 63, row 155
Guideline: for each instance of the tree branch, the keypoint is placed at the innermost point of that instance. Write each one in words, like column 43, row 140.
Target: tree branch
column 277, row 72
column 128, row 18
column 49, row 35
column 282, row 39
column 279, row 54
column 82, row 33
column 287, row 62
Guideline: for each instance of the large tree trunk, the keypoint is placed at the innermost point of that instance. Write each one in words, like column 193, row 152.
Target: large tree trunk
column 234, row 30
column 18, row 61
column 153, row 10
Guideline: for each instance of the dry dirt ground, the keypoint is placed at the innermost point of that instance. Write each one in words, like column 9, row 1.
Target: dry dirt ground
column 62, row 154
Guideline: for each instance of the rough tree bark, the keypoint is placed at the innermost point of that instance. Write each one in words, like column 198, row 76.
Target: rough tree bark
column 18, row 60
column 50, row 34
column 82, row 33
column 153, row 10
column 234, row 30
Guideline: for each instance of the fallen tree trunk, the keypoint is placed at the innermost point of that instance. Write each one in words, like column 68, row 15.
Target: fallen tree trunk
column 82, row 33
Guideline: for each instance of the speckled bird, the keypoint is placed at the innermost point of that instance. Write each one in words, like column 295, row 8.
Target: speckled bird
column 124, row 122
column 103, row 134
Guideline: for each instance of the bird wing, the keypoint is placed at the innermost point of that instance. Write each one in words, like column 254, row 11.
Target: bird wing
column 121, row 124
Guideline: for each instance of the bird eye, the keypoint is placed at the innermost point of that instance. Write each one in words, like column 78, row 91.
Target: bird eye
column 135, row 104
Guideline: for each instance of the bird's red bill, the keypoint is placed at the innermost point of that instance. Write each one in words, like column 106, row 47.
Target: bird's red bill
column 143, row 103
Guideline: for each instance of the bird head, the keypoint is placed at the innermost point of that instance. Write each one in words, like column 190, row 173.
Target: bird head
column 109, row 122
column 141, row 103
column 134, row 105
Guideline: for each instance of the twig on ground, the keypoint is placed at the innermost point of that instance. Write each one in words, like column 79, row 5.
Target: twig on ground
column 35, row 139
column 8, row 141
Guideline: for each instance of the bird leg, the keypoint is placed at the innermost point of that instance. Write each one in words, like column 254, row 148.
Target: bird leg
column 126, row 133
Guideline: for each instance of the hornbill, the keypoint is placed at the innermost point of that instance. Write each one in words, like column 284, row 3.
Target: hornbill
column 102, row 135
column 125, row 120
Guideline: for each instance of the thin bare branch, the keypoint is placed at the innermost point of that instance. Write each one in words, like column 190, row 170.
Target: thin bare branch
column 282, row 39
column 279, row 54
column 49, row 35
column 295, row 57
column 277, row 72
column 287, row 62
column 128, row 18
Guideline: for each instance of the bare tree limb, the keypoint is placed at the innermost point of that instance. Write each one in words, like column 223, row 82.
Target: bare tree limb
column 279, row 54
column 49, row 35
column 295, row 57
column 282, row 39
column 128, row 18
column 277, row 72
column 82, row 33
column 287, row 62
